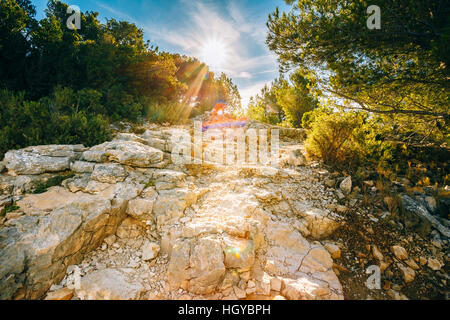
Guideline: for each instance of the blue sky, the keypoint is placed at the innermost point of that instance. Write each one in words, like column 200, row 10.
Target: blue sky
column 238, row 27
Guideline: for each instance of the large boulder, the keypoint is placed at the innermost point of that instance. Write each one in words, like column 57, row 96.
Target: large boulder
column 40, row 159
column 109, row 173
column 306, row 269
column 196, row 265
column 22, row 162
column 71, row 151
column 172, row 203
column 36, row 250
column 109, row 284
column 141, row 209
column 130, row 153
column 319, row 223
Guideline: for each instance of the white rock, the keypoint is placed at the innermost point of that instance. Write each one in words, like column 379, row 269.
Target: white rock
column 346, row 185
column 399, row 252
column 82, row 167
column 408, row 273
column 196, row 266
column 275, row 284
column 141, row 208
column 130, row 153
column 109, row 173
column 109, row 284
column 150, row 250
column 110, row 240
column 434, row 264
column 22, row 162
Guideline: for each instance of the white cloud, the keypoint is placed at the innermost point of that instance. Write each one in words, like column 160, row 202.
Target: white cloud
column 251, row 91
column 244, row 75
column 204, row 23
column 242, row 31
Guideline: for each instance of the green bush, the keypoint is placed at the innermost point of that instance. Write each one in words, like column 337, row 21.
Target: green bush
column 331, row 138
column 346, row 139
column 51, row 120
column 167, row 112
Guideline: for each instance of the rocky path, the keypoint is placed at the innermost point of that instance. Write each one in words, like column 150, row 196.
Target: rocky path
column 240, row 236
column 130, row 224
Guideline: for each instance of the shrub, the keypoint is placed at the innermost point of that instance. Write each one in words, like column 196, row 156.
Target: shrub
column 171, row 112
column 24, row 123
column 331, row 138
column 347, row 139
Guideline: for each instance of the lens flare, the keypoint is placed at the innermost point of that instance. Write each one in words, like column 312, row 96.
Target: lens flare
column 214, row 53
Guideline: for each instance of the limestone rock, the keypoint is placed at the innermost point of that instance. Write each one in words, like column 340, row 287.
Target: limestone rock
column 52, row 242
column 412, row 264
column 141, row 208
column 22, row 162
column 168, row 175
column 377, row 253
column 434, row 264
column 240, row 294
column 319, row 223
column 239, row 253
column 61, row 294
column 275, row 284
column 196, row 266
column 333, row 249
column 408, row 273
column 71, row 151
column 43, row 203
column 109, row 284
column 82, row 167
column 346, row 185
column 399, row 252
column 154, row 139
column 129, row 229
column 149, row 250
column 129, row 137
column 110, row 240
column 109, row 173
column 172, row 203
column 305, row 288
column 130, row 153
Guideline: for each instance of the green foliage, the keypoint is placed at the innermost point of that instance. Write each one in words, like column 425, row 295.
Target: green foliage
column 346, row 139
column 51, row 182
column 284, row 103
column 11, row 208
column 57, row 120
column 295, row 99
column 150, row 183
column 167, row 112
column 66, row 86
column 399, row 71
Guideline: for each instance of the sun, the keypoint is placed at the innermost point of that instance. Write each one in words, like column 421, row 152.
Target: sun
column 214, row 53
